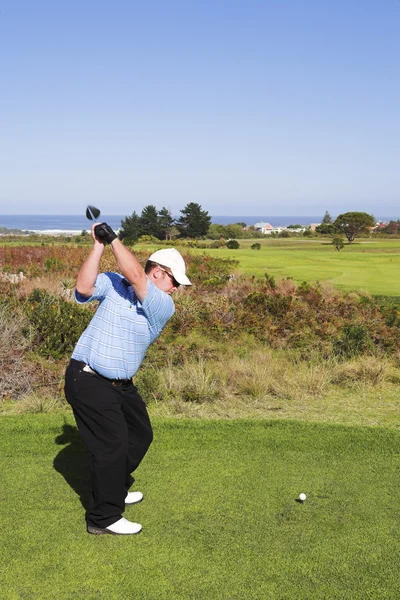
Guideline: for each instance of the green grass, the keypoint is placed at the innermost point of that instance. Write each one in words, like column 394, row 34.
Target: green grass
column 366, row 265
column 220, row 517
column 371, row 266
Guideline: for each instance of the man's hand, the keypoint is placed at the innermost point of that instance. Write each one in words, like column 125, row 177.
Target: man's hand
column 104, row 233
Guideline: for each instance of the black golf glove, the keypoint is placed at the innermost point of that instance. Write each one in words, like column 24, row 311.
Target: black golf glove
column 104, row 233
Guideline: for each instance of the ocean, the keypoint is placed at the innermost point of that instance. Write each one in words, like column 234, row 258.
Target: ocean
column 74, row 224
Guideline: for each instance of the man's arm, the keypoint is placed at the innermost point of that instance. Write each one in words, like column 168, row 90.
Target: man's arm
column 130, row 268
column 86, row 279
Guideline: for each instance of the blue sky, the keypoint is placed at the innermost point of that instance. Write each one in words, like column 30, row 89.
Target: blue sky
column 273, row 107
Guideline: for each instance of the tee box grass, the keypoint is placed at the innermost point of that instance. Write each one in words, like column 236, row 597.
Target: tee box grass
column 220, row 516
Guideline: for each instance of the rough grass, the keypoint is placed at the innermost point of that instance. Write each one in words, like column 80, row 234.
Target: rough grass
column 250, row 382
column 278, row 385
column 220, row 517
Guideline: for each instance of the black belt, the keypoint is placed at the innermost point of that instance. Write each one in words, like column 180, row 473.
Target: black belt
column 84, row 366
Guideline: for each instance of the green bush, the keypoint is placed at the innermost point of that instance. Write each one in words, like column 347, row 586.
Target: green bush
column 355, row 340
column 57, row 323
column 53, row 264
column 270, row 281
column 204, row 267
column 275, row 304
column 232, row 244
column 148, row 383
column 148, row 239
column 338, row 242
column 255, row 246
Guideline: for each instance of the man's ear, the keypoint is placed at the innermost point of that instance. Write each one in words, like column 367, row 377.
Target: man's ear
column 154, row 273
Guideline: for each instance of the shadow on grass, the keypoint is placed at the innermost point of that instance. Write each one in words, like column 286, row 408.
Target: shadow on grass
column 72, row 462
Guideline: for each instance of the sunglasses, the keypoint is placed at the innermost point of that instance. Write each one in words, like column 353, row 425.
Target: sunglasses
column 172, row 278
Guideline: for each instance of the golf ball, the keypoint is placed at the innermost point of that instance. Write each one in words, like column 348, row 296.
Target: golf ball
column 302, row 497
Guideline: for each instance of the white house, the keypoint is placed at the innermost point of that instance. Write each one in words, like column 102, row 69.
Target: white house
column 267, row 228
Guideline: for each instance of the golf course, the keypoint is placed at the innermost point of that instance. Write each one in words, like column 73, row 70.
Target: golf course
column 258, row 425
column 365, row 265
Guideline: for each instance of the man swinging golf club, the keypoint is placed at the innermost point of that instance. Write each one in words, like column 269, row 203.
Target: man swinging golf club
column 110, row 414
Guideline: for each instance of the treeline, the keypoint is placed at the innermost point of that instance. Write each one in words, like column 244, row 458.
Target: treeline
column 194, row 223
column 354, row 224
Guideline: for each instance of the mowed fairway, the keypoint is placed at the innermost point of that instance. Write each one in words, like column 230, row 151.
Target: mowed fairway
column 220, row 516
column 366, row 265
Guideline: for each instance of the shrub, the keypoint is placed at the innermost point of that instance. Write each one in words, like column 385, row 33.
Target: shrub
column 216, row 244
column 232, row 244
column 202, row 268
column 16, row 375
column 148, row 239
column 255, row 246
column 270, row 279
column 57, row 323
column 338, row 242
column 148, row 383
column 129, row 241
column 53, row 264
column 355, row 340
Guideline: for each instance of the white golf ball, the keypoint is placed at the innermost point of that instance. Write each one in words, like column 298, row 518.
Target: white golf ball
column 302, row 497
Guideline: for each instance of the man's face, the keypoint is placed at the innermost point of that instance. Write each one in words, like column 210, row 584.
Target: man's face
column 164, row 280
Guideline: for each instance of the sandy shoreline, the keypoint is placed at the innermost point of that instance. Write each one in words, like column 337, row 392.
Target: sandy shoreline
column 49, row 232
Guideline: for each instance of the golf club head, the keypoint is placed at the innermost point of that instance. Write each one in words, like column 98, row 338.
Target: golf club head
column 92, row 213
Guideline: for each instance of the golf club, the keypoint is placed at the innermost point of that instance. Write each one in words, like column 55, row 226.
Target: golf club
column 92, row 213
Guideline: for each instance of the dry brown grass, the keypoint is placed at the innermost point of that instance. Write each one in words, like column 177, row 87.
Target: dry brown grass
column 21, row 373
column 38, row 402
column 367, row 370
column 48, row 282
column 280, row 384
column 16, row 375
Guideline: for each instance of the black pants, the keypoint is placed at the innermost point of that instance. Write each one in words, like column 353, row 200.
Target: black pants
column 116, row 429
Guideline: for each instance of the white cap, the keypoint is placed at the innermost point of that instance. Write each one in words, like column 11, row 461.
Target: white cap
column 171, row 258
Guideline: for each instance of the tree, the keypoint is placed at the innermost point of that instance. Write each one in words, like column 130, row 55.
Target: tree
column 338, row 242
column 393, row 227
column 148, row 222
column 353, row 224
column 130, row 228
column 234, row 231
column 216, row 231
column 165, row 223
column 326, row 229
column 327, row 218
column 194, row 222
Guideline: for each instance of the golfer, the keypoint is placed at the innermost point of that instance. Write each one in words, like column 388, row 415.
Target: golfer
column 110, row 414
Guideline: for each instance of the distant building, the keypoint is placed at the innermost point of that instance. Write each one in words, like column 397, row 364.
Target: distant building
column 263, row 227
column 267, row 228
column 314, row 225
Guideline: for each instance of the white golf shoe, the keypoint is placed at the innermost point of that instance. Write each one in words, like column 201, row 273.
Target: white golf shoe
column 120, row 527
column 133, row 497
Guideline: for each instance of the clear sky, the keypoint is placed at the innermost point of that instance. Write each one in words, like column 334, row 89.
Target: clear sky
column 248, row 107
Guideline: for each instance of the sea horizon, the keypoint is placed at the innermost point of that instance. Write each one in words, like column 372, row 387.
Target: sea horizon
column 76, row 223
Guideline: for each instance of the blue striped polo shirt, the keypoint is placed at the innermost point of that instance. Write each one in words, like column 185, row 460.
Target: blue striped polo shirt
column 115, row 342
